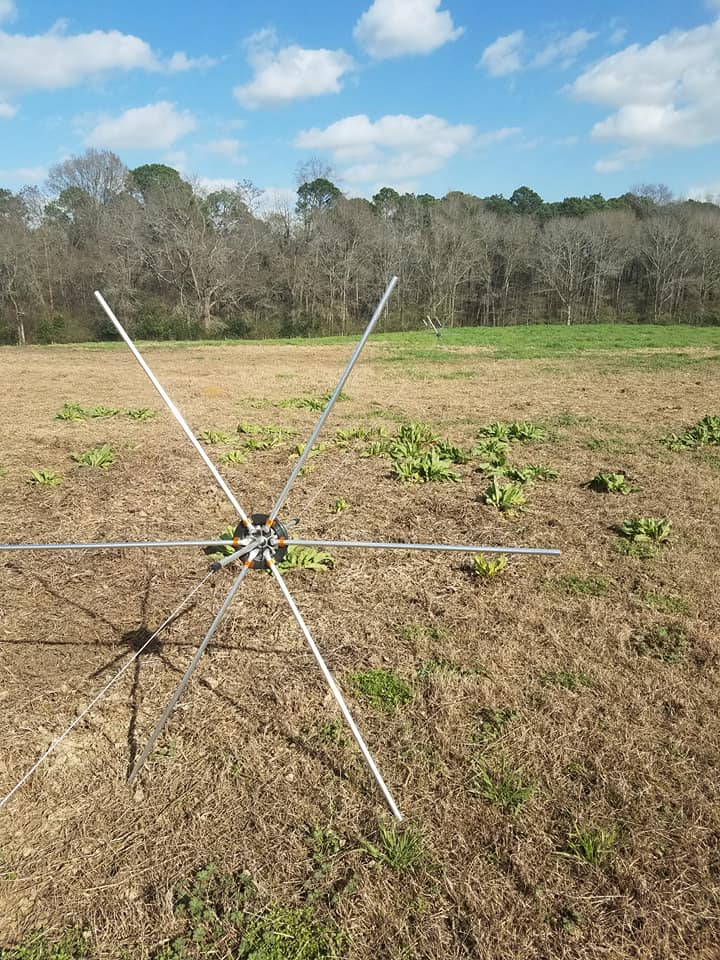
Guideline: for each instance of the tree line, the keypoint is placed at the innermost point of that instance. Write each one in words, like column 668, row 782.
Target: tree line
column 176, row 261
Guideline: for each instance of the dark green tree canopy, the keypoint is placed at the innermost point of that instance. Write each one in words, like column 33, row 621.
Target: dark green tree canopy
column 319, row 194
column 158, row 178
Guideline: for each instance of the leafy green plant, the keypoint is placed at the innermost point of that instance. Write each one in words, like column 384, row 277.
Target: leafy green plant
column 488, row 567
column 340, row 505
column 493, row 453
column 100, row 412
column 306, row 558
column 589, row 844
column 399, row 848
column 666, row 642
column 705, row 432
column 448, row 451
column 507, row 498
column 377, row 448
column 417, row 433
column 141, row 413
column 214, row 436
column 655, row 530
column 264, row 443
column 609, row 483
column 227, row 533
column 96, row 457
column 519, row 430
column 495, row 431
column 533, row 471
column 425, row 468
column 311, row 403
column 317, row 448
column 72, row 411
column 344, row 437
column 233, row 456
column 44, row 478
column 525, row 432
column 268, row 432
column 502, row 787
column 382, row 688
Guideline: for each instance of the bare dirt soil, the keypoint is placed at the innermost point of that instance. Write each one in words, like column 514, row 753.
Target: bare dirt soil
column 556, row 673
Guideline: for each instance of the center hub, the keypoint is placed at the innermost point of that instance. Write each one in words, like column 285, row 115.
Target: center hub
column 269, row 540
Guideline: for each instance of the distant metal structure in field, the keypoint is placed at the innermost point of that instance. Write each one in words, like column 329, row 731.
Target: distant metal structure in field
column 433, row 325
column 260, row 540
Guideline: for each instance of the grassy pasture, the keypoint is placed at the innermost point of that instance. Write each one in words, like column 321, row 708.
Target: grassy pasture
column 550, row 731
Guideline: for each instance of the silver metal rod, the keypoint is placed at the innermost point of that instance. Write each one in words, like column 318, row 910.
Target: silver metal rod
column 172, row 408
column 160, row 725
column 58, row 740
column 451, row 547
column 337, row 694
column 331, row 402
column 120, row 545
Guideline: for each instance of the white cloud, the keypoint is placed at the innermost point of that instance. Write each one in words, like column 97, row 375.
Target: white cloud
column 393, row 148
column 177, row 159
column 292, row 73
column 7, row 111
column 227, row 147
column 394, row 28
column 564, row 51
column 57, row 61
column 276, row 200
column 19, row 176
column 503, row 56
column 154, row 127
column 53, row 61
column 8, row 10
column 206, row 185
column 620, row 160
column 180, row 62
column 665, row 94
column 490, row 137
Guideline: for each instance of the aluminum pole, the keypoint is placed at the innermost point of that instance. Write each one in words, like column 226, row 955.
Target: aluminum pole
column 337, row 694
column 451, row 547
column 331, row 402
column 173, row 409
column 160, row 725
column 120, row 545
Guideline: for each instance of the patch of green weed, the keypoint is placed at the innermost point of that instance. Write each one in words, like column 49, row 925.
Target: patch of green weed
column 398, row 847
column 591, row 845
column 384, row 689
column 502, row 786
column 579, row 586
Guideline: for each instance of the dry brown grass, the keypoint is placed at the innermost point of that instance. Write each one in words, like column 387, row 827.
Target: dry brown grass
column 249, row 764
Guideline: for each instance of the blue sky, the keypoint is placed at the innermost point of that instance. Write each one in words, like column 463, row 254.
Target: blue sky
column 422, row 95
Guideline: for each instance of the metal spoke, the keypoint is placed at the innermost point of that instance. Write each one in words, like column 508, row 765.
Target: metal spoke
column 337, row 694
column 449, row 547
column 331, row 402
column 172, row 408
column 160, row 725
column 120, row 545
